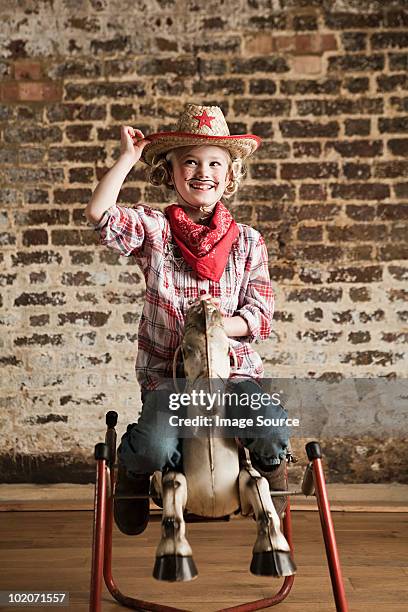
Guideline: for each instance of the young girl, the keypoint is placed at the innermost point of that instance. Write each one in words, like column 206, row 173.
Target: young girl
column 193, row 250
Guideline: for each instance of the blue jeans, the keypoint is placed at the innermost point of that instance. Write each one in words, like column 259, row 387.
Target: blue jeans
column 152, row 444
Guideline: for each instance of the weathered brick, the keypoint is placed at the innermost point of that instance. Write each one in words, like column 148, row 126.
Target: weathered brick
column 340, row 318
column 315, row 315
column 281, row 273
column 401, row 190
column 261, row 87
column 309, row 170
column 310, row 275
column 356, row 148
column 131, row 318
column 263, row 171
column 37, row 277
column 72, row 196
column 310, row 233
column 125, row 297
column 308, row 129
column 357, row 232
column 39, row 340
column 359, row 337
column 395, row 337
column 310, row 86
column 357, row 127
column 368, row 274
column 39, row 320
column 318, row 252
column 226, row 86
column 343, row 20
column 396, row 251
column 360, row 191
column 274, row 193
column 392, row 169
column 35, row 258
column 7, row 239
column 307, row 149
column 364, row 358
column 357, row 171
column 398, row 146
column 129, row 278
column 35, row 237
column 398, row 272
column 305, row 22
column 387, row 40
column 282, row 316
column 259, row 64
column 48, row 216
column 341, row 106
column 360, row 294
column 354, row 41
column 71, row 237
column 393, row 125
column 92, row 318
column 368, row 317
column 393, row 82
column 54, row 298
column 264, row 129
column 259, row 107
column 312, row 192
column 7, row 279
column 356, row 84
column 361, row 212
column 397, row 295
column 319, row 336
column 315, row 295
column 81, row 257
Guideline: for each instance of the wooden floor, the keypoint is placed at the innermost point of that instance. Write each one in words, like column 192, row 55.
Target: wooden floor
column 52, row 551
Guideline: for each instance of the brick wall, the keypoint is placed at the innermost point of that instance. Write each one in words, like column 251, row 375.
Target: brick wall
column 323, row 83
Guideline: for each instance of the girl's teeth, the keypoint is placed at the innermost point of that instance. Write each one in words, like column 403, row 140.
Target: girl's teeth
column 202, row 187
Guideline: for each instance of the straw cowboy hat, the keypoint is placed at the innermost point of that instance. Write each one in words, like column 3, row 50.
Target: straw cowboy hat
column 200, row 125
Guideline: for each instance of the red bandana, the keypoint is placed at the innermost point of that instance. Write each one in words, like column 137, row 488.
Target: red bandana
column 205, row 249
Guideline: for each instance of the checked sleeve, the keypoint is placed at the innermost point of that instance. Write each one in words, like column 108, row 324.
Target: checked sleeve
column 258, row 301
column 131, row 231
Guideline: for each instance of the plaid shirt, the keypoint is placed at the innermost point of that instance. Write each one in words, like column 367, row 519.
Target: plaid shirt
column 171, row 286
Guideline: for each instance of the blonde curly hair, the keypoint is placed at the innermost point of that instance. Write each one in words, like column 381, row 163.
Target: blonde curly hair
column 159, row 173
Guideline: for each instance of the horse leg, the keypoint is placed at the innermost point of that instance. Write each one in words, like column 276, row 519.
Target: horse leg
column 174, row 561
column 271, row 552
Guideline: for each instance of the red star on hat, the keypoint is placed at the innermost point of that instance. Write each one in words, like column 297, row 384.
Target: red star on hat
column 204, row 119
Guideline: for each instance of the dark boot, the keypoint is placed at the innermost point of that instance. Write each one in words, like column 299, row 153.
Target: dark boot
column 277, row 482
column 131, row 515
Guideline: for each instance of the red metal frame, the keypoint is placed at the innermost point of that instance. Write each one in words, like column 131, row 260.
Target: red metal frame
column 329, row 536
column 102, row 547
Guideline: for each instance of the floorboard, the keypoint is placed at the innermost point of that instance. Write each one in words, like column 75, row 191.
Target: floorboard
column 52, row 551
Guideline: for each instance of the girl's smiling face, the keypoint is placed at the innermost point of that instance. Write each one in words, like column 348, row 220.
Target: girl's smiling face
column 200, row 174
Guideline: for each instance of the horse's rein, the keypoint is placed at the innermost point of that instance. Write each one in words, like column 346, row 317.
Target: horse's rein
column 231, row 351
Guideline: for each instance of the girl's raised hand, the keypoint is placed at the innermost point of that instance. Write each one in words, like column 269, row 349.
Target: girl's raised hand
column 132, row 143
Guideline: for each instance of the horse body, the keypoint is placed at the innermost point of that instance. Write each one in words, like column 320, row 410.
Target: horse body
column 213, row 484
column 210, row 462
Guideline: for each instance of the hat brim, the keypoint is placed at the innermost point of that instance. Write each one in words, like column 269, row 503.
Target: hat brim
column 239, row 146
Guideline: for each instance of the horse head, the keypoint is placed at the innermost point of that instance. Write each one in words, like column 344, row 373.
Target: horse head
column 205, row 346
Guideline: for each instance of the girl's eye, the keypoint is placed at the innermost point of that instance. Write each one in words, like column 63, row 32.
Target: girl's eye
column 192, row 160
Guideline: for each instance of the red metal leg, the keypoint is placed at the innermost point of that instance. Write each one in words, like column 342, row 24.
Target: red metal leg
column 314, row 454
column 98, row 540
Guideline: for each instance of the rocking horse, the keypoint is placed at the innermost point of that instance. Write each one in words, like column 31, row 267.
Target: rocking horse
column 217, row 480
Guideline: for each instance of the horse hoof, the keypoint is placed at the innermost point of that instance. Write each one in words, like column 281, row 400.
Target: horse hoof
column 175, row 568
column 273, row 563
